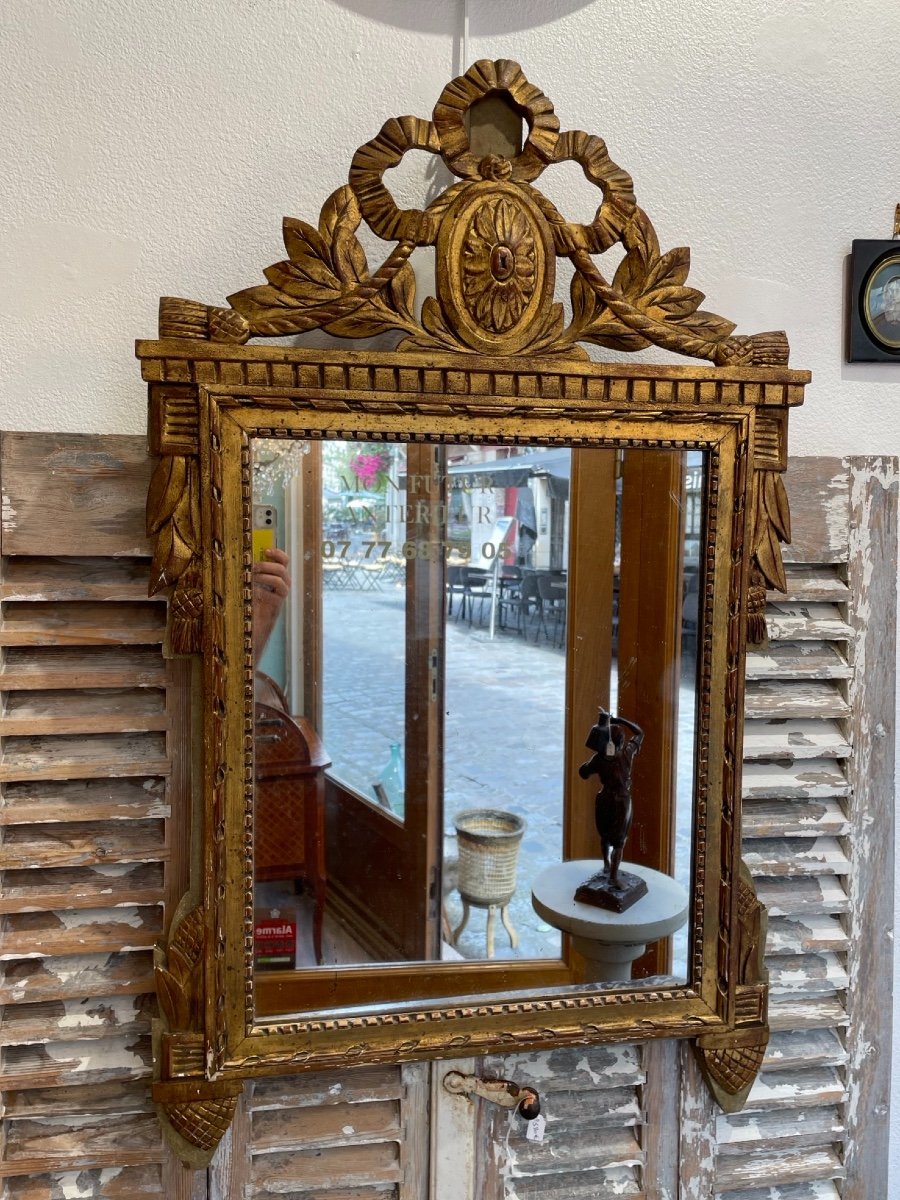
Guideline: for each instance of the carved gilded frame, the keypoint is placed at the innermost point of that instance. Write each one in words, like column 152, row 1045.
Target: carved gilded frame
column 491, row 356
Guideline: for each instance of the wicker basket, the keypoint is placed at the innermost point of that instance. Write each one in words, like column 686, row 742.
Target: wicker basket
column 488, row 853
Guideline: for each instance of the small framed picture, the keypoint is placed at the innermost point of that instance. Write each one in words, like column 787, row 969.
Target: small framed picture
column 874, row 334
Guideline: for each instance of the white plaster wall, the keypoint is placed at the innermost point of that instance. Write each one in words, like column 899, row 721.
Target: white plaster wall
column 152, row 149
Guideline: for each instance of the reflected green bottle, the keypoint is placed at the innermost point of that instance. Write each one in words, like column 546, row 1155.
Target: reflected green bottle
column 392, row 779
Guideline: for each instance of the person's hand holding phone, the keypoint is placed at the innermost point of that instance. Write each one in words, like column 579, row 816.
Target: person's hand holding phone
column 271, row 585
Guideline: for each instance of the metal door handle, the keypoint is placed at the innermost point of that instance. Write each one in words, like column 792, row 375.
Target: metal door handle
column 504, row 1092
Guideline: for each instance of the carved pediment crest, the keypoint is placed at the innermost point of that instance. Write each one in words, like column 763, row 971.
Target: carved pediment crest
column 497, row 239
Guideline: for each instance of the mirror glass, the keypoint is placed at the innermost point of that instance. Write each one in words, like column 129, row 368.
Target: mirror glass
column 422, row 620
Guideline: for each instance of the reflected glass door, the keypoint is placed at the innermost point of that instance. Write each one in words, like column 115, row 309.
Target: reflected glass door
column 456, row 616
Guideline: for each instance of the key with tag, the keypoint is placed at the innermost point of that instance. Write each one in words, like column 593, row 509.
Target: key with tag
column 534, row 1130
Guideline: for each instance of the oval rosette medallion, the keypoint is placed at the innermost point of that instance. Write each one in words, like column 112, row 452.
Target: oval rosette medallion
column 497, row 267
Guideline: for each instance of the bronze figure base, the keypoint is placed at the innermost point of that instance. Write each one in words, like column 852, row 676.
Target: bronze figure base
column 613, row 897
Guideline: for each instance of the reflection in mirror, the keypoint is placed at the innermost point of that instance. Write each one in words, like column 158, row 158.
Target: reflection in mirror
column 419, row 726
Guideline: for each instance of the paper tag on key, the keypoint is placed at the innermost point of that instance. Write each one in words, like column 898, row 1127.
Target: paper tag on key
column 534, row 1130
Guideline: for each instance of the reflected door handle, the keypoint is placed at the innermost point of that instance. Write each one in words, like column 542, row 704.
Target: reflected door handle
column 504, row 1092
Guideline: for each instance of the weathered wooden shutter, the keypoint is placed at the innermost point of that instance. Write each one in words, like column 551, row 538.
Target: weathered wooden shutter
column 819, row 841
column 90, row 718
column 93, row 720
column 350, row 1135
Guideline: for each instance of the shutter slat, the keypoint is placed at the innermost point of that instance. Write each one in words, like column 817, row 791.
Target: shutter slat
column 307, row 1170
column 809, row 1012
column 83, row 887
column 66, row 1063
column 87, row 931
column 69, row 1020
column 587, row 1184
column 82, row 844
column 804, row 1049
column 773, row 1130
column 789, row 1166
column 803, row 1088
column 78, row 1101
column 813, row 581
column 82, row 624
column 106, row 1183
column 802, row 895
column 575, row 1148
column 332, row 1125
column 794, row 780
column 777, row 700
column 822, row 1189
column 101, row 710
column 67, row 579
column 814, row 739
column 807, row 622
column 796, row 856
column 83, row 800
column 90, row 757
column 25, row 981
column 794, row 935
column 27, row 669
column 806, row 974
column 325, row 1088
column 794, row 818
column 798, row 660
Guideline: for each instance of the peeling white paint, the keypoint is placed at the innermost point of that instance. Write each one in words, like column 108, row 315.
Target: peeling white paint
column 7, row 514
column 79, row 918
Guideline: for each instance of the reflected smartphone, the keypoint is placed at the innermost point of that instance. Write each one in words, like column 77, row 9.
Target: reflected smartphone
column 265, row 530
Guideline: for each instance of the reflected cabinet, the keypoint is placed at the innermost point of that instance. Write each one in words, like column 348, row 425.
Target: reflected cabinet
column 469, row 612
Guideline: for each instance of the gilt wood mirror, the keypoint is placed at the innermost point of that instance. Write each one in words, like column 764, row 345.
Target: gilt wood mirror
column 434, row 590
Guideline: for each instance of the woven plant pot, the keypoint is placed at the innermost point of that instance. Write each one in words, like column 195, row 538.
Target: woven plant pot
column 489, row 842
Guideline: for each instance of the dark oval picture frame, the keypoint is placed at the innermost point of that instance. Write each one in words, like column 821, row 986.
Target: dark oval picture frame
column 873, row 335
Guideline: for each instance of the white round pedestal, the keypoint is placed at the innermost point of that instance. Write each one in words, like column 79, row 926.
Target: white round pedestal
column 609, row 941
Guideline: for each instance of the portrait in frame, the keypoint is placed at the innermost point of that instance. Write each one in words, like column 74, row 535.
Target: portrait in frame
column 874, row 333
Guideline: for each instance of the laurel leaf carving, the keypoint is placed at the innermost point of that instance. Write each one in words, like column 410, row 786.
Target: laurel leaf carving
column 402, row 292
column 777, row 505
column 359, row 324
column 306, row 279
column 710, row 324
column 301, row 239
column 672, row 301
column 166, row 487
column 173, row 999
column 670, row 269
column 173, row 517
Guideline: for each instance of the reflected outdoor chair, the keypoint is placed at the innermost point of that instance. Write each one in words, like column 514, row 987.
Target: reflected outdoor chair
column 455, row 587
column 476, row 585
column 552, row 589
column 529, row 601
column 509, row 595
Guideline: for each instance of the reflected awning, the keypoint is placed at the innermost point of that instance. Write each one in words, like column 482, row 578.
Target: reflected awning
column 555, row 465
